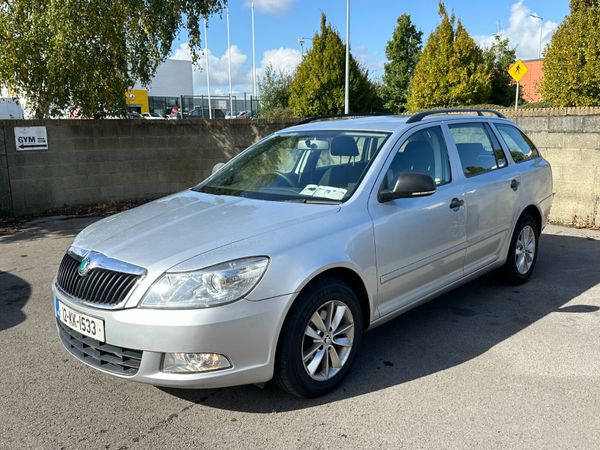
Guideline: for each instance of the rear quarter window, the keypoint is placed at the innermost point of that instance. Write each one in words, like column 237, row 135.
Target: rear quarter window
column 520, row 146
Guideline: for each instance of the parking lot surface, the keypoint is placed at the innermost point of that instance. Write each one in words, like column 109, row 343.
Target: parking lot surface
column 484, row 366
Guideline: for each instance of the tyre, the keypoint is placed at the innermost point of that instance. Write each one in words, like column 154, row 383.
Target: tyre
column 522, row 253
column 319, row 339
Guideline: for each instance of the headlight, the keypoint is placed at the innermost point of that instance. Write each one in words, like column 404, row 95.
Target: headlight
column 213, row 286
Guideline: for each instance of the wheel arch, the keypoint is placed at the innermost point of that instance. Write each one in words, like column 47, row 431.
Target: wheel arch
column 533, row 211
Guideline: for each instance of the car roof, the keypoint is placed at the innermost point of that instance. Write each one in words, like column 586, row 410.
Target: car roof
column 386, row 123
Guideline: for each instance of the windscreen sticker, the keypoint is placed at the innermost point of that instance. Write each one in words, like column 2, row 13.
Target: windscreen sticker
column 315, row 190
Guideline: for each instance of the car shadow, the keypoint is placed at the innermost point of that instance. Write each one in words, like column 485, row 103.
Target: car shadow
column 14, row 294
column 38, row 228
column 443, row 333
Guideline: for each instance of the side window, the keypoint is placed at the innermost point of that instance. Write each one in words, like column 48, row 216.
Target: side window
column 520, row 146
column 477, row 147
column 423, row 152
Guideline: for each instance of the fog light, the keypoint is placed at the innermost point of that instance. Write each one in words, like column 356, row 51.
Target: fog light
column 194, row 362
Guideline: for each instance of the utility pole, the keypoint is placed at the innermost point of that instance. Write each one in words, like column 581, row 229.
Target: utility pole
column 229, row 66
column 347, row 77
column 207, row 68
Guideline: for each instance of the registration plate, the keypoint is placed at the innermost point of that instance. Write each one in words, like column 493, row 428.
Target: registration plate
column 82, row 323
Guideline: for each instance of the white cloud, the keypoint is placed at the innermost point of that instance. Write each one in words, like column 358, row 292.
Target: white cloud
column 523, row 32
column 271, row 6
column 369, row 60
column 218, row 69
column 284, row 59
column 281, row 59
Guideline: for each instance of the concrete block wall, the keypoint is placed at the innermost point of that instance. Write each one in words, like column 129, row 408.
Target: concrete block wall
column 99, row 161
column 572, row 146
column 5, row 194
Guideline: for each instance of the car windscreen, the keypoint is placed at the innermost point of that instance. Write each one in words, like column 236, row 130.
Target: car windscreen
column 309, row 167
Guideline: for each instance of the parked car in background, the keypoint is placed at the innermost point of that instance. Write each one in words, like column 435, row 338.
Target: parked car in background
column 202, row 113
column 152, row 116
column 134, row 115
column 276, row 264
column 245, row 115
column 10, row 108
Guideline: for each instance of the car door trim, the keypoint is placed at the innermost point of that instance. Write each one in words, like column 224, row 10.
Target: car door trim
column 421, row 263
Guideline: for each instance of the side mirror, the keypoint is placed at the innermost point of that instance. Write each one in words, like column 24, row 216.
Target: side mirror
column 216, row 168
column 408, row 185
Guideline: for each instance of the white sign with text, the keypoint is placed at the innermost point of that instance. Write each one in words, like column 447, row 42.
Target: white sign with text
column 31, row 138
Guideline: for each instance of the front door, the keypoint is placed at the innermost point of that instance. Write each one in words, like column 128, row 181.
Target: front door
column 420, row 242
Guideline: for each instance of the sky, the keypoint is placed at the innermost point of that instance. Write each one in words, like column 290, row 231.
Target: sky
column 280, row 23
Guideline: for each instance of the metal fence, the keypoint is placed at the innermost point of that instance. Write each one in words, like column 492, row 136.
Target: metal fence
column 198, row 105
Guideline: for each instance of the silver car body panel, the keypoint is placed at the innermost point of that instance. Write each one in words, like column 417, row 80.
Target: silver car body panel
column 405, row 252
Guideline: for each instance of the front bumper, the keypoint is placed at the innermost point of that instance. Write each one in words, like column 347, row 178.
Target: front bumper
column 245, row 331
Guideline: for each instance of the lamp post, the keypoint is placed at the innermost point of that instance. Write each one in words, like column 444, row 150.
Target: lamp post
column 229, row 66
column 301, row 42
column 347, row 76
column 253, row 55
column 541, row 19
column 207, row 68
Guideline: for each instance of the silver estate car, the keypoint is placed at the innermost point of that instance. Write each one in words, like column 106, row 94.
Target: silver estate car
column 275, row 265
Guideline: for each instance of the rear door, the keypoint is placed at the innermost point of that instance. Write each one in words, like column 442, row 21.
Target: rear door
column 491, row 191
column 420, row 242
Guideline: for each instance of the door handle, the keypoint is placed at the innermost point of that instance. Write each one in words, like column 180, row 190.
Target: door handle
column 514, row 184
column 455, row 204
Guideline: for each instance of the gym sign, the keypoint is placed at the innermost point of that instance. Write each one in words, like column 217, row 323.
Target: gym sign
column 31, row 138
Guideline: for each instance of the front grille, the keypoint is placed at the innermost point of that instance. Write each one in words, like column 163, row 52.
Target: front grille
column 119, row 360
column 99, row 286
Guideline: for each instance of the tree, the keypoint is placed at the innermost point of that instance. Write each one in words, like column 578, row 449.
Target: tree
column 451, row 71
column 572, row 60
column 275, row 93
column 318, row 85
column 60, row 55
column 402, row 51
column 498, row 58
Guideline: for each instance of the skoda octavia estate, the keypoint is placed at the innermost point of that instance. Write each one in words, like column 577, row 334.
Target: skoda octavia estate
column 275, row 265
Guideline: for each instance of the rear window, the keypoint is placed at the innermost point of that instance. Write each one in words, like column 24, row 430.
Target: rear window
column 477, row 147
column 520, row 146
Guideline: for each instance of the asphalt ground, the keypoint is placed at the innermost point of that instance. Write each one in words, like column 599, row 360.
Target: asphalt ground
column 485, row 366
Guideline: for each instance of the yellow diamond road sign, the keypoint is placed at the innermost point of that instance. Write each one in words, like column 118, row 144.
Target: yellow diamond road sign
column 517, row 70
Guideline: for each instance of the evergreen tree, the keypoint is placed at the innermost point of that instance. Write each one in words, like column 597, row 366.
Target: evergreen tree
column 498, row 59
column 451, row 71
column 572, row 60
column 318, row 85
column 402, row 51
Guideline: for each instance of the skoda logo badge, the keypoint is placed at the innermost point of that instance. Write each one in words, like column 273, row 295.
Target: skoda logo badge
column 84, row 267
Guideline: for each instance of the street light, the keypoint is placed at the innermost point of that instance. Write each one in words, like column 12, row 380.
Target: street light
column 347, row 77
column 229, row 65
column 253, row 55
column 207, row 69
column 541, row 19
column 301, row 42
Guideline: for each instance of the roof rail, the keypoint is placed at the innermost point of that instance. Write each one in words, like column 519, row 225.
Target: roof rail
column 337, row 116
column 420, row 116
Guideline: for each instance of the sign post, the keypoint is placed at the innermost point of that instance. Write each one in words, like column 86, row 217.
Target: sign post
column 31, row 138
column 517, row 71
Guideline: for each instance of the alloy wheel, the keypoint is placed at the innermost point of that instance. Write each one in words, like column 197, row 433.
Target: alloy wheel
column 328, row 340
column 525, row 249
